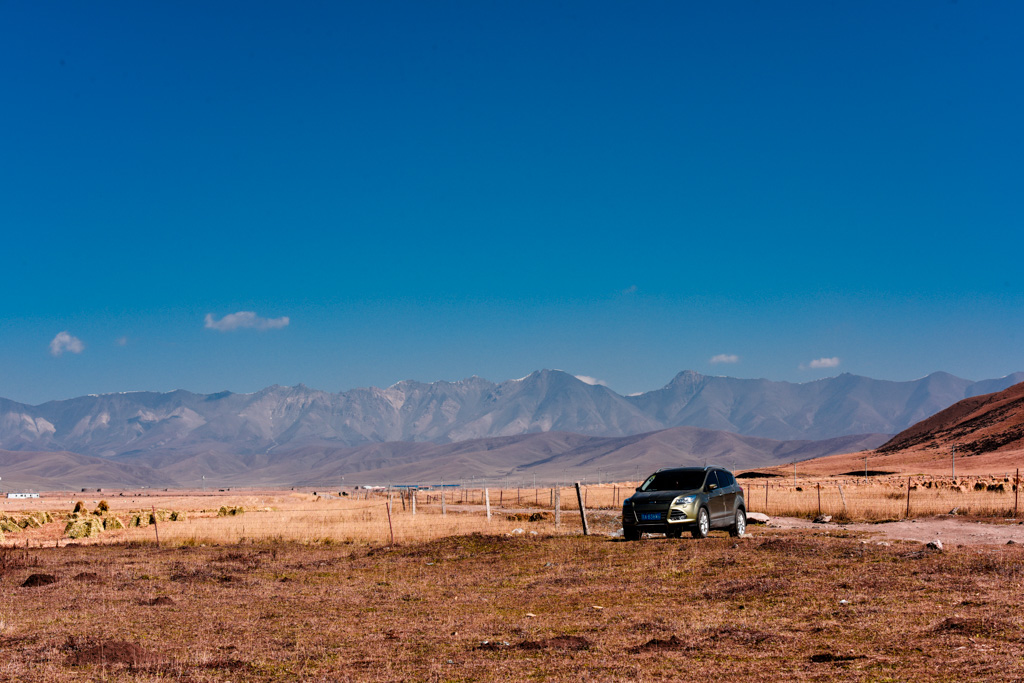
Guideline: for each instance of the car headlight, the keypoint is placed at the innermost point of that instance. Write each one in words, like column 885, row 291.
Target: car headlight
column 684, row 500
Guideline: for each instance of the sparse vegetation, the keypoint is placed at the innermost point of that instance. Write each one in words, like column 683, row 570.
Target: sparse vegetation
column 779, row 605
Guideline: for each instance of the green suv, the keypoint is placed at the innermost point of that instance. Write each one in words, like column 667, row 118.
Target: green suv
column 697, row 499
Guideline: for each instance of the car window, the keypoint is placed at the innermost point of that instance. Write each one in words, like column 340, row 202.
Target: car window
column 712, row 479
column 685, row 480
column 725, row 478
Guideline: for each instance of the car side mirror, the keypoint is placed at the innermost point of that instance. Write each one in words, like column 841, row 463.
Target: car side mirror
column 637, row 489
column 712, row 487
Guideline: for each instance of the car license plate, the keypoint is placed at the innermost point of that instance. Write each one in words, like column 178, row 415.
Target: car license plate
column 650, row 516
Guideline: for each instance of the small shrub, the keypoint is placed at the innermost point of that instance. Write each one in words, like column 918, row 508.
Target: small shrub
column 103, row 507
column 79, row 507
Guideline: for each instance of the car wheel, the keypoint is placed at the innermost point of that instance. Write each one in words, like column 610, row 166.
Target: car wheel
column 674, row 533
column 631, row 534
column 739, row 527
column 703, row 525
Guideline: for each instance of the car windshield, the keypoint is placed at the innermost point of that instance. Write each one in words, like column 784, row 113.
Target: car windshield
column 679, row 480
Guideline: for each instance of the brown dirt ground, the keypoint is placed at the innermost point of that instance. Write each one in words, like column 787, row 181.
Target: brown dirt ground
column 812, row 604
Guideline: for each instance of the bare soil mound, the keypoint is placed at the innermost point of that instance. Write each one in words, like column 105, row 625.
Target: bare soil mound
column 39, row 580
column 657, row 644
column 574, row 643
column 155, row 602
column 107, row 652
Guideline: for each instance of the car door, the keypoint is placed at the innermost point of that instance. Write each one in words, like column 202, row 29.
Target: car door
column 716, row 501
column 730, row 493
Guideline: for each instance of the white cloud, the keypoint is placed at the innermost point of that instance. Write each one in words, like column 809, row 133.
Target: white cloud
column 822, row 363
column 725, row 358
column 234, row 321
column 591, row 380
column 65, row 342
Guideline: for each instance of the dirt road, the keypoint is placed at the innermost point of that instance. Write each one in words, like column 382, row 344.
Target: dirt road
column 949, row 530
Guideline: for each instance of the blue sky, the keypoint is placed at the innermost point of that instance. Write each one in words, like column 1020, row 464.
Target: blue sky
column 436, row 190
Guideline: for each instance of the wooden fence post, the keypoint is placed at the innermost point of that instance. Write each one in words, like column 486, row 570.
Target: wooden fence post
column 843, row 496
column 819, row 499
column 558, row 507
column 412, row 500
column 390, row 527
column 1016, row 491
column 908, row 497
column 155, row 529
column 487, row 503
column 583, row 510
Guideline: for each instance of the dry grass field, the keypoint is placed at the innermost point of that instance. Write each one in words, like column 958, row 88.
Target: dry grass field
column 362, row 516
column 775, row 606
column 304, row 587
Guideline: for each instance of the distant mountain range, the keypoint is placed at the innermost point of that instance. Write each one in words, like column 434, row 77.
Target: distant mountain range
column 516, row 460
column 156, row 426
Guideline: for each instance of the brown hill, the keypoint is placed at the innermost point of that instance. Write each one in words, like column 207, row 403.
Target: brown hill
column 981, row 424
column 38, row 470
